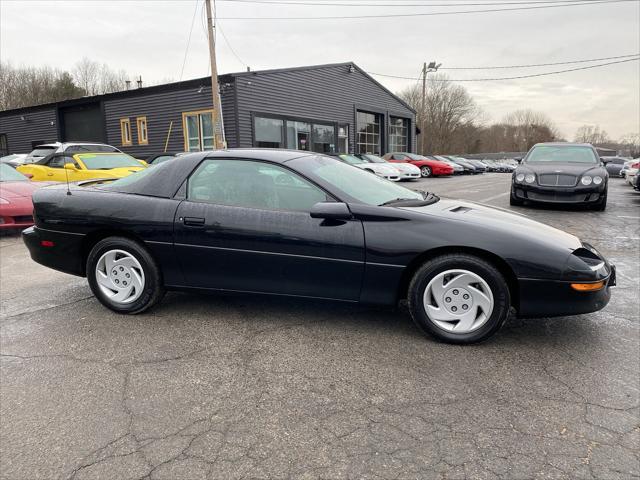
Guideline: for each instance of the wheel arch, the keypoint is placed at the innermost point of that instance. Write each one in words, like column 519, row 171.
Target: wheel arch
column 94, row 237
column 502, row 266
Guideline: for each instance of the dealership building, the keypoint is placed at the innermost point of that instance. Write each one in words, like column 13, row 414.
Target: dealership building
column 322, row 108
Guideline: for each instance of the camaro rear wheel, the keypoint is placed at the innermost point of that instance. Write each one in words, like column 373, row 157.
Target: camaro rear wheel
column 123, row 276
column 459, row 299
column 425, row 171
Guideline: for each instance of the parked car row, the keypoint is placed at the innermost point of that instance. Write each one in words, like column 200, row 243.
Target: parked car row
column 630, row 172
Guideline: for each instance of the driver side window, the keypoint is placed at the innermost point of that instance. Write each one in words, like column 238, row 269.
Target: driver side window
column 58, row 161
column 252, row 184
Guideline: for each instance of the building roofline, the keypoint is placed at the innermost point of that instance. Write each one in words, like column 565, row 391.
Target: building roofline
column 191, row 83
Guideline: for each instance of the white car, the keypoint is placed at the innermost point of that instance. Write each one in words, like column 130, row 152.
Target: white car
column 632, row 171
column 407, row 171
column 384, row 171
column 41, row 151
column 14, row 159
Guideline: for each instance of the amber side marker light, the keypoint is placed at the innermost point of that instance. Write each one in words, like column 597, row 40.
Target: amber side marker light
column 588, row 287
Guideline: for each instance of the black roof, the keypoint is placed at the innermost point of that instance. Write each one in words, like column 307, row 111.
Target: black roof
column 193, row 83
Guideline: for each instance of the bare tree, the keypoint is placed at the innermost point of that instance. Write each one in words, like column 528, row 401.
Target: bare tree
column 449, row 113
column 24, row 86
column 591, row 134
column 525, row 128
column 86, row 74
column 98, row 79
column 630, row 144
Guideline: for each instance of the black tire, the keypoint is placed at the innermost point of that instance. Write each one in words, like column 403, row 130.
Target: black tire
column 601, row 205
column 153, row 289
column 478, row 266
column 425, row 171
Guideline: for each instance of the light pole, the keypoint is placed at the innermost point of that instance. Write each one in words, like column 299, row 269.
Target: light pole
column 432, row 67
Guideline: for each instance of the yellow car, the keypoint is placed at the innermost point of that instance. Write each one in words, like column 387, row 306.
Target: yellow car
column 62, row 167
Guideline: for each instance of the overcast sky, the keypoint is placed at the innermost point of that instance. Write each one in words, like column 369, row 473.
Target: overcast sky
column 149, row 38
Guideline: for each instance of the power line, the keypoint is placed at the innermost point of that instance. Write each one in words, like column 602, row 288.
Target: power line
column 541, row 64
column 226, row 40
column 186, row 50
column 333, row 4
column 430, row 14
column 509, row 78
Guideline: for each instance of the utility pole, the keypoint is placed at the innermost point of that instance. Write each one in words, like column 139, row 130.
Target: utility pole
column 423, row 112
column 218, row 130
column 432, row 67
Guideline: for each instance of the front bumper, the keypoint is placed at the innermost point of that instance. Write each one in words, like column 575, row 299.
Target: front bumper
column 546, row 298
column 409, row 175
column 66, row 253
column 579, row 194
column 441, row 171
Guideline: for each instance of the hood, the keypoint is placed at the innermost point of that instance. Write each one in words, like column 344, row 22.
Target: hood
column 567, row 168
column 9, row 190
column 511, row 224
column 405, row 167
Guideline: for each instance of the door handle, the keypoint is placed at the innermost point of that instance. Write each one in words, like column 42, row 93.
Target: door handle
column 193, row 221
column 49, row 174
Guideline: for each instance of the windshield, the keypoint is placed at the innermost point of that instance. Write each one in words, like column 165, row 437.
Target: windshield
column 413, row 156
column 9, row 174
column 374, row 158
column 353, row 183
column 561, row 154
column 351, row 159
column 106, row 161
column 41, row 152
column 91, row 148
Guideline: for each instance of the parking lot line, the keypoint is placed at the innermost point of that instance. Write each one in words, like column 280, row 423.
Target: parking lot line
column 488, row 199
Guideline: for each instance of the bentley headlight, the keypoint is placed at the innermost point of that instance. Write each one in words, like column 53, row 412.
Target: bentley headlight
column 520, row 177
column 586, row 180
column 597, row 180
column 530, row 178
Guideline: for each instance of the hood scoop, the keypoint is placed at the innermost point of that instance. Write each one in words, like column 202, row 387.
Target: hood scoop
column 460, row 209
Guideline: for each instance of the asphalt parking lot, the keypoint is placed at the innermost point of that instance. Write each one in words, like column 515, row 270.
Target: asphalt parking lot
column 253, row 387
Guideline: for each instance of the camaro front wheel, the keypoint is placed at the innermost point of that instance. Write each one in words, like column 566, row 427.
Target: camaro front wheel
column 459, row 299
column 425, row 171
column 123, row 276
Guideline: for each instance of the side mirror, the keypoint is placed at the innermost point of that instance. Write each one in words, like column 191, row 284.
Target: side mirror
column 70, row 166
column 331, row 211
column 518, row 159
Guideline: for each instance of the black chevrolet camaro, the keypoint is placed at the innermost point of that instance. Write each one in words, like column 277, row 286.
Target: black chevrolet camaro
column 303, row 224
column 570, row 173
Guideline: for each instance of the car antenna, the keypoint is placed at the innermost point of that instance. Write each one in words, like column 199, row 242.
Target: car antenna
column 66, row 174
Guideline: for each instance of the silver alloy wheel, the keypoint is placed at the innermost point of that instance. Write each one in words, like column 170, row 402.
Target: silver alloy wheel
column 458, row 301
column 120, row 276
column 425, row 171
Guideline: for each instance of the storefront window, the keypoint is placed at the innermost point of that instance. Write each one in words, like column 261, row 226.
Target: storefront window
column 298, row 135
column 398, row 134
column 368, row 139
column 268, row 132
column 324, row 139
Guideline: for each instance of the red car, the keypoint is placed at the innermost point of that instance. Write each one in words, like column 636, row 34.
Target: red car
column 427, row 166
column 16, row 209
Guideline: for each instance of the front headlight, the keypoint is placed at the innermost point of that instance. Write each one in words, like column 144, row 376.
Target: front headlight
column 597, row 180
column 530, row 178
column 520, row 177
column 586, row 180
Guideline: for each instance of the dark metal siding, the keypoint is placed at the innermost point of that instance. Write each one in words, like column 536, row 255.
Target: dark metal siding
column 160, row 109
column 326, row 93
column 37, row 126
